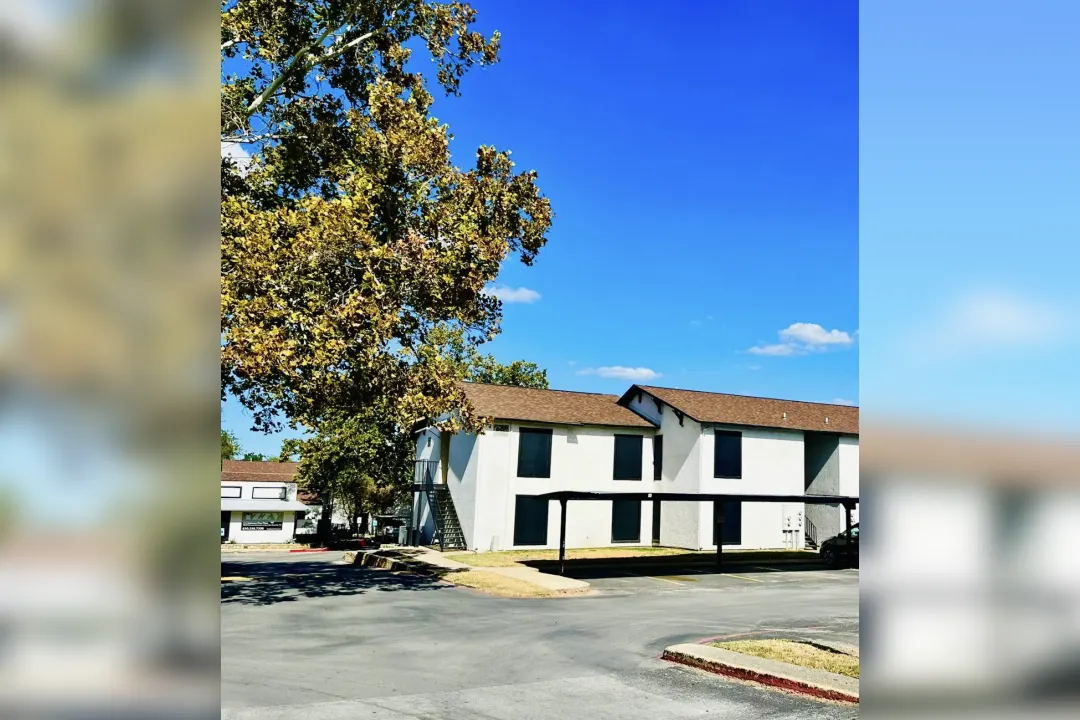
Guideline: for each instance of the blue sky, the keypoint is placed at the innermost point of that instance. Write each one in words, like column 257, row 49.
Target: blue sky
column 703, row 166
column 968, row 208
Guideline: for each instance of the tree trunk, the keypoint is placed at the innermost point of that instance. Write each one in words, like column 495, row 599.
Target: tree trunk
column 324, row 531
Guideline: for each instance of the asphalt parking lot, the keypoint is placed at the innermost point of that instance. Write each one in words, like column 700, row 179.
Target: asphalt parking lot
column 705, row 580
column 305, row 637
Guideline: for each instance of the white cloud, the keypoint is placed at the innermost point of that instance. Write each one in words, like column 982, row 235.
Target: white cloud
column 622, row 373
column 999, row 319
column 812, row 334
column 802, row 338
column 240, row 157
column 842, row 401
column 514, row 295
column 779, row 349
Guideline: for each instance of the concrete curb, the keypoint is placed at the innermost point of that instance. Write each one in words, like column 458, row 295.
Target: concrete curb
column 806, row 681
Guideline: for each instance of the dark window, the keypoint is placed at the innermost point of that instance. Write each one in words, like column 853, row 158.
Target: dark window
column 502, row 428
column 658, row 457
column 534, row 453
column 727, row 454
column 730, row 531
column 626, row 521
column 530, row 521
column 627, row 457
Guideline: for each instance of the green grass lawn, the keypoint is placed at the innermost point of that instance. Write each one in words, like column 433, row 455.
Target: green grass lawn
column 508, row 558
column 796, row 653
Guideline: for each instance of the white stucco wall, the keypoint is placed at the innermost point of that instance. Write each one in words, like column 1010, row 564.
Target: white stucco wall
column 772, row 464
column 680, row 522
column 582, row 458
column 849, row 465
column 239, row 536
column 427, row 448
column 462, row 480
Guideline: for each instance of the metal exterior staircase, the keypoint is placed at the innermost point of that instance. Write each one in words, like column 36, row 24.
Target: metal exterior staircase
column 448, row 531
column 810, row 534
column 447, row 528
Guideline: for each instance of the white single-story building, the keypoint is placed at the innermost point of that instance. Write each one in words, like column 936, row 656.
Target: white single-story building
column 259, row 502
column 650, row 439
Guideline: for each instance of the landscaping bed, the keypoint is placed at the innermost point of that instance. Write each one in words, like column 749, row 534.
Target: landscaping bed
column 804, row 654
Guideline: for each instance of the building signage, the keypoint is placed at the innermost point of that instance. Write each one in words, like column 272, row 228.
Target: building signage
column 261, row 521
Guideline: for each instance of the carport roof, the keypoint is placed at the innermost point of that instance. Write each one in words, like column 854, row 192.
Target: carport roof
column 699, row 497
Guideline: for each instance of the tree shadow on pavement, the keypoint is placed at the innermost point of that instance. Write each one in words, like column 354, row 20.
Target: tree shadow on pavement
column 595, row 568
column 269, row 583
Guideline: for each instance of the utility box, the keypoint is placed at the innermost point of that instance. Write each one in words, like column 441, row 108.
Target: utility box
column 793, row 518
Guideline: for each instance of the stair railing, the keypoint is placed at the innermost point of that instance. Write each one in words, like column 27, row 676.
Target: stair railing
column 811, row 531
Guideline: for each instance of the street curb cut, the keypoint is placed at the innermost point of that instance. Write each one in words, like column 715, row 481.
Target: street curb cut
column 688, row 655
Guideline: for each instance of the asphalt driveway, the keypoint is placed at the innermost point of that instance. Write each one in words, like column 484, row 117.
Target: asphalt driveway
column 303, row 637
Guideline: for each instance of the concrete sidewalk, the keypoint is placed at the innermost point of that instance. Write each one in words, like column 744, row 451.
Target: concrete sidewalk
column 808, row 681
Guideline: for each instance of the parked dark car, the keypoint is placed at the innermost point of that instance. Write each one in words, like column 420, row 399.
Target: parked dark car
column 836, row 551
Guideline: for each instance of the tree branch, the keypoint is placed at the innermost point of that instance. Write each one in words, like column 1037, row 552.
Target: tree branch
column 294, row 63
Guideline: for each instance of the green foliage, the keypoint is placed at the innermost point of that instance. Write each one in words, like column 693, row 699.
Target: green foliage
column 252, row 456
column 230, row 446
column 519, row 372
column 466, row 363
column 351, row 242
column 360, row 463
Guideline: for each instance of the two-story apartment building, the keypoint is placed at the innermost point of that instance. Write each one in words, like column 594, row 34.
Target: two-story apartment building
column 648, row 440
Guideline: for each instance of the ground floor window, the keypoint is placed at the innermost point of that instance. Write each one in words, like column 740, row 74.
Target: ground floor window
column 262, row 521
column 730, row 531
column 626, row 521
column 530, row 521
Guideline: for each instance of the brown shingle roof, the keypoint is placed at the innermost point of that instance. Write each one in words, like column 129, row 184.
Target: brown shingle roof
column 710, row 407
column 257, row 471
column 505, row 402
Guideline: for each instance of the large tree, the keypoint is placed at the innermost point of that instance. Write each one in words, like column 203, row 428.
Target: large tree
column 362, row 463
column 350, row 239
column 358, row 463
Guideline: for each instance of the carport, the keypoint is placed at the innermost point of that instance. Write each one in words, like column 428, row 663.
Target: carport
column 565, row 496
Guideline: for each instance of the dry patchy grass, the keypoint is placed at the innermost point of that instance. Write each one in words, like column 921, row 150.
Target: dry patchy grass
column 796, row 653
column 499, row 585
column 509, row 558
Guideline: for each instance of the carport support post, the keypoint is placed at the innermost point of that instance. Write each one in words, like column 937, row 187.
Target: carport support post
column 562, row 537
column 718, row 519
column 847, row 520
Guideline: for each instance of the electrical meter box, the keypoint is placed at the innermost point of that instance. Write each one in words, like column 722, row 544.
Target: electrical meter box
column 793, row 517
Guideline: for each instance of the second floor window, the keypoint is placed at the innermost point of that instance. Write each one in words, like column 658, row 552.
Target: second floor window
column 658, row 457
column 534, row 452
column 727, row 454
column 627, row 457
column 268, row 493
